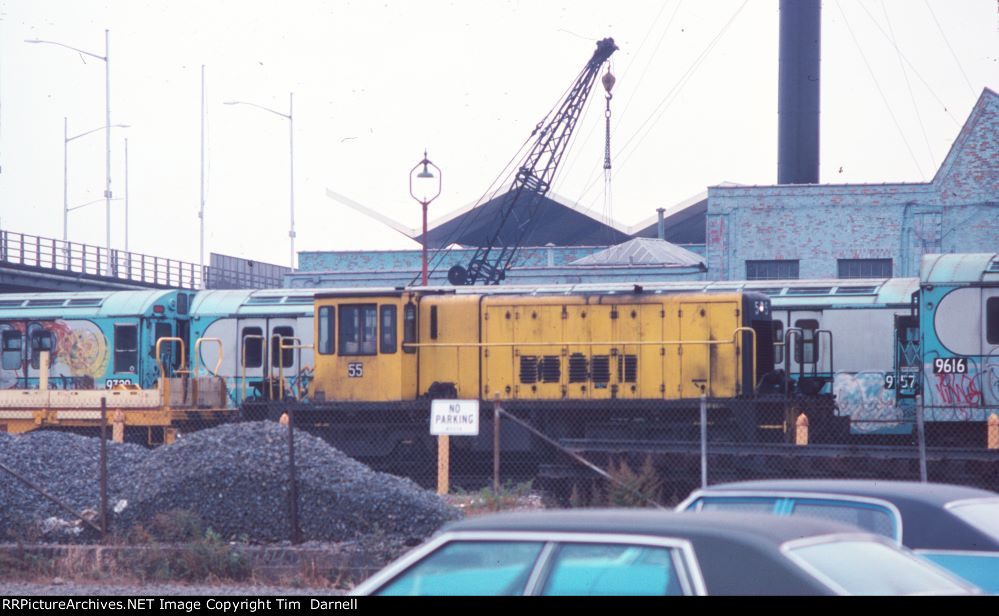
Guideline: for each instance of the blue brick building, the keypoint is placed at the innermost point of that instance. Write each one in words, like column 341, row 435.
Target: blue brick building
column 852, row 230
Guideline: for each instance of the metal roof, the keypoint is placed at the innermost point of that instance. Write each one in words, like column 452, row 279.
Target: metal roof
column 643, row 251
column 967, row 268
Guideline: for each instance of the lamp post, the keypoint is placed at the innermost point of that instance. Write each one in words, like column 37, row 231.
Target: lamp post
column 425, row 178
column 65, row 170
column 291, row 149
column 106, row 58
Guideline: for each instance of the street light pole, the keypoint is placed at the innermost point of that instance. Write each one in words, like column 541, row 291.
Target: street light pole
column 107, row 121
column 424, row 201
column 65, row 170
column 291, row 155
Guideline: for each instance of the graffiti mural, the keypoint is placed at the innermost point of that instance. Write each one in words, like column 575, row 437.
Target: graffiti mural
column 79, row 351
column 871, row 407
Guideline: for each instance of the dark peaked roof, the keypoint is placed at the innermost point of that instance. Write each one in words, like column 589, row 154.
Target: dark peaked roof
column 554, row 222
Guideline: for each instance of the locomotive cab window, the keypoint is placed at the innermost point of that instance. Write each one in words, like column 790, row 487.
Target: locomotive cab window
column 358, row 326
column 387, row 336
column 409, row 328
column 806, row 348
column 126, row 348
column 11, row 353
column 327, row 323
column 252, row 351
column 41, row 340
column 281, row 357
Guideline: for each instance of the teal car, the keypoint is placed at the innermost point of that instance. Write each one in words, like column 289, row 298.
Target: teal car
column 956, row 527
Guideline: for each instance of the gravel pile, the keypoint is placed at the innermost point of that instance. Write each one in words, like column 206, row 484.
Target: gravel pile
column 67, row 467
column 233, row 477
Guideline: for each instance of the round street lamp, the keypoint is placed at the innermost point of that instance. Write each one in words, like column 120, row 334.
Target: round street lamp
column 427, row 184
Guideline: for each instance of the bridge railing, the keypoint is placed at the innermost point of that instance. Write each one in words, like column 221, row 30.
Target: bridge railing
column 88, row 260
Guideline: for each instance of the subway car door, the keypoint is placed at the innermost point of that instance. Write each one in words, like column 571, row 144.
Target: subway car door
column 252, row 350
column 39, row 339
column 282, row 362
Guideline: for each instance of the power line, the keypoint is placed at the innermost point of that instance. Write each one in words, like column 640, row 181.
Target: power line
column 660, row 109
column 877, row 85
column 908, row 85
column 947, row 42
column 911, row 66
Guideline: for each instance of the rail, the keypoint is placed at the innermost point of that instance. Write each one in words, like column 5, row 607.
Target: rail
column 53, row 255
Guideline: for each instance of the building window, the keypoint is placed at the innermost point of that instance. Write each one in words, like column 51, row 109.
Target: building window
column 864, row 268
column 772, row 270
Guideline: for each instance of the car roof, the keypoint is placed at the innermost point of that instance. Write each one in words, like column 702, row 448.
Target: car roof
column 926, row 523
column 736, row 553
column 931, row 493
column 652, row 522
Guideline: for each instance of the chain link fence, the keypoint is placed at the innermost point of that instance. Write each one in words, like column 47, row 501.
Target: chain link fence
column 611, row 452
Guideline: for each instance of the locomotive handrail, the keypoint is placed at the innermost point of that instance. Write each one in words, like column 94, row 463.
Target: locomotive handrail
column 164, row 381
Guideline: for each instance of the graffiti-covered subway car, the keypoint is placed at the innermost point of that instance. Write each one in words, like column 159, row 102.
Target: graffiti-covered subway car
column 959, row 322
column 94, row 339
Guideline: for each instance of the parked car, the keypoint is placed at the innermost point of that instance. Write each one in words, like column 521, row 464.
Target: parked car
column 644, row 552
column 957, row 527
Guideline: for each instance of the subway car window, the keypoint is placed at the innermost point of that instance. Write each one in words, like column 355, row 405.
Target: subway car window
column 126, row 348
column 358, row 324
column 253, row 347
column 11, row 353
column 41, row 340
column 282, row 358
column 778, row 342
column 327, row 321
column 807, row 350
column 388, row 329
column 992, row 320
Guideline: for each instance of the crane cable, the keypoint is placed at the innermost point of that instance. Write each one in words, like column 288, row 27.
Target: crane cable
column 608, row 83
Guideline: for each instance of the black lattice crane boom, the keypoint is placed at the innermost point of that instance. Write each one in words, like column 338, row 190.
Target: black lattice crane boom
column 532, row 181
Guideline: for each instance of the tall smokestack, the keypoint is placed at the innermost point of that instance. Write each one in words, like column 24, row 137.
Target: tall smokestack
column 798, row 92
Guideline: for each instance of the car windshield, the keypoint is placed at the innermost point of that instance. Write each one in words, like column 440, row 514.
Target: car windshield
column 864, row 567
column 470, row 568
column 983, row 515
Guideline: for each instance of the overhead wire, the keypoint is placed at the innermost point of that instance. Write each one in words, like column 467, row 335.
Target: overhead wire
column 877, row 85
column 908, row 84
column 947, row 42
column 911, row 66
column 503, row 179
column 570, row 164
column 641, row 133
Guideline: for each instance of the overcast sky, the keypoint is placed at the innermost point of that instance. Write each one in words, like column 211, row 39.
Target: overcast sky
column 377, row 82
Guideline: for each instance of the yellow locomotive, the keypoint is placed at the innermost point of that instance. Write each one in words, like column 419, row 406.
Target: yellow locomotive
column 566, row 344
